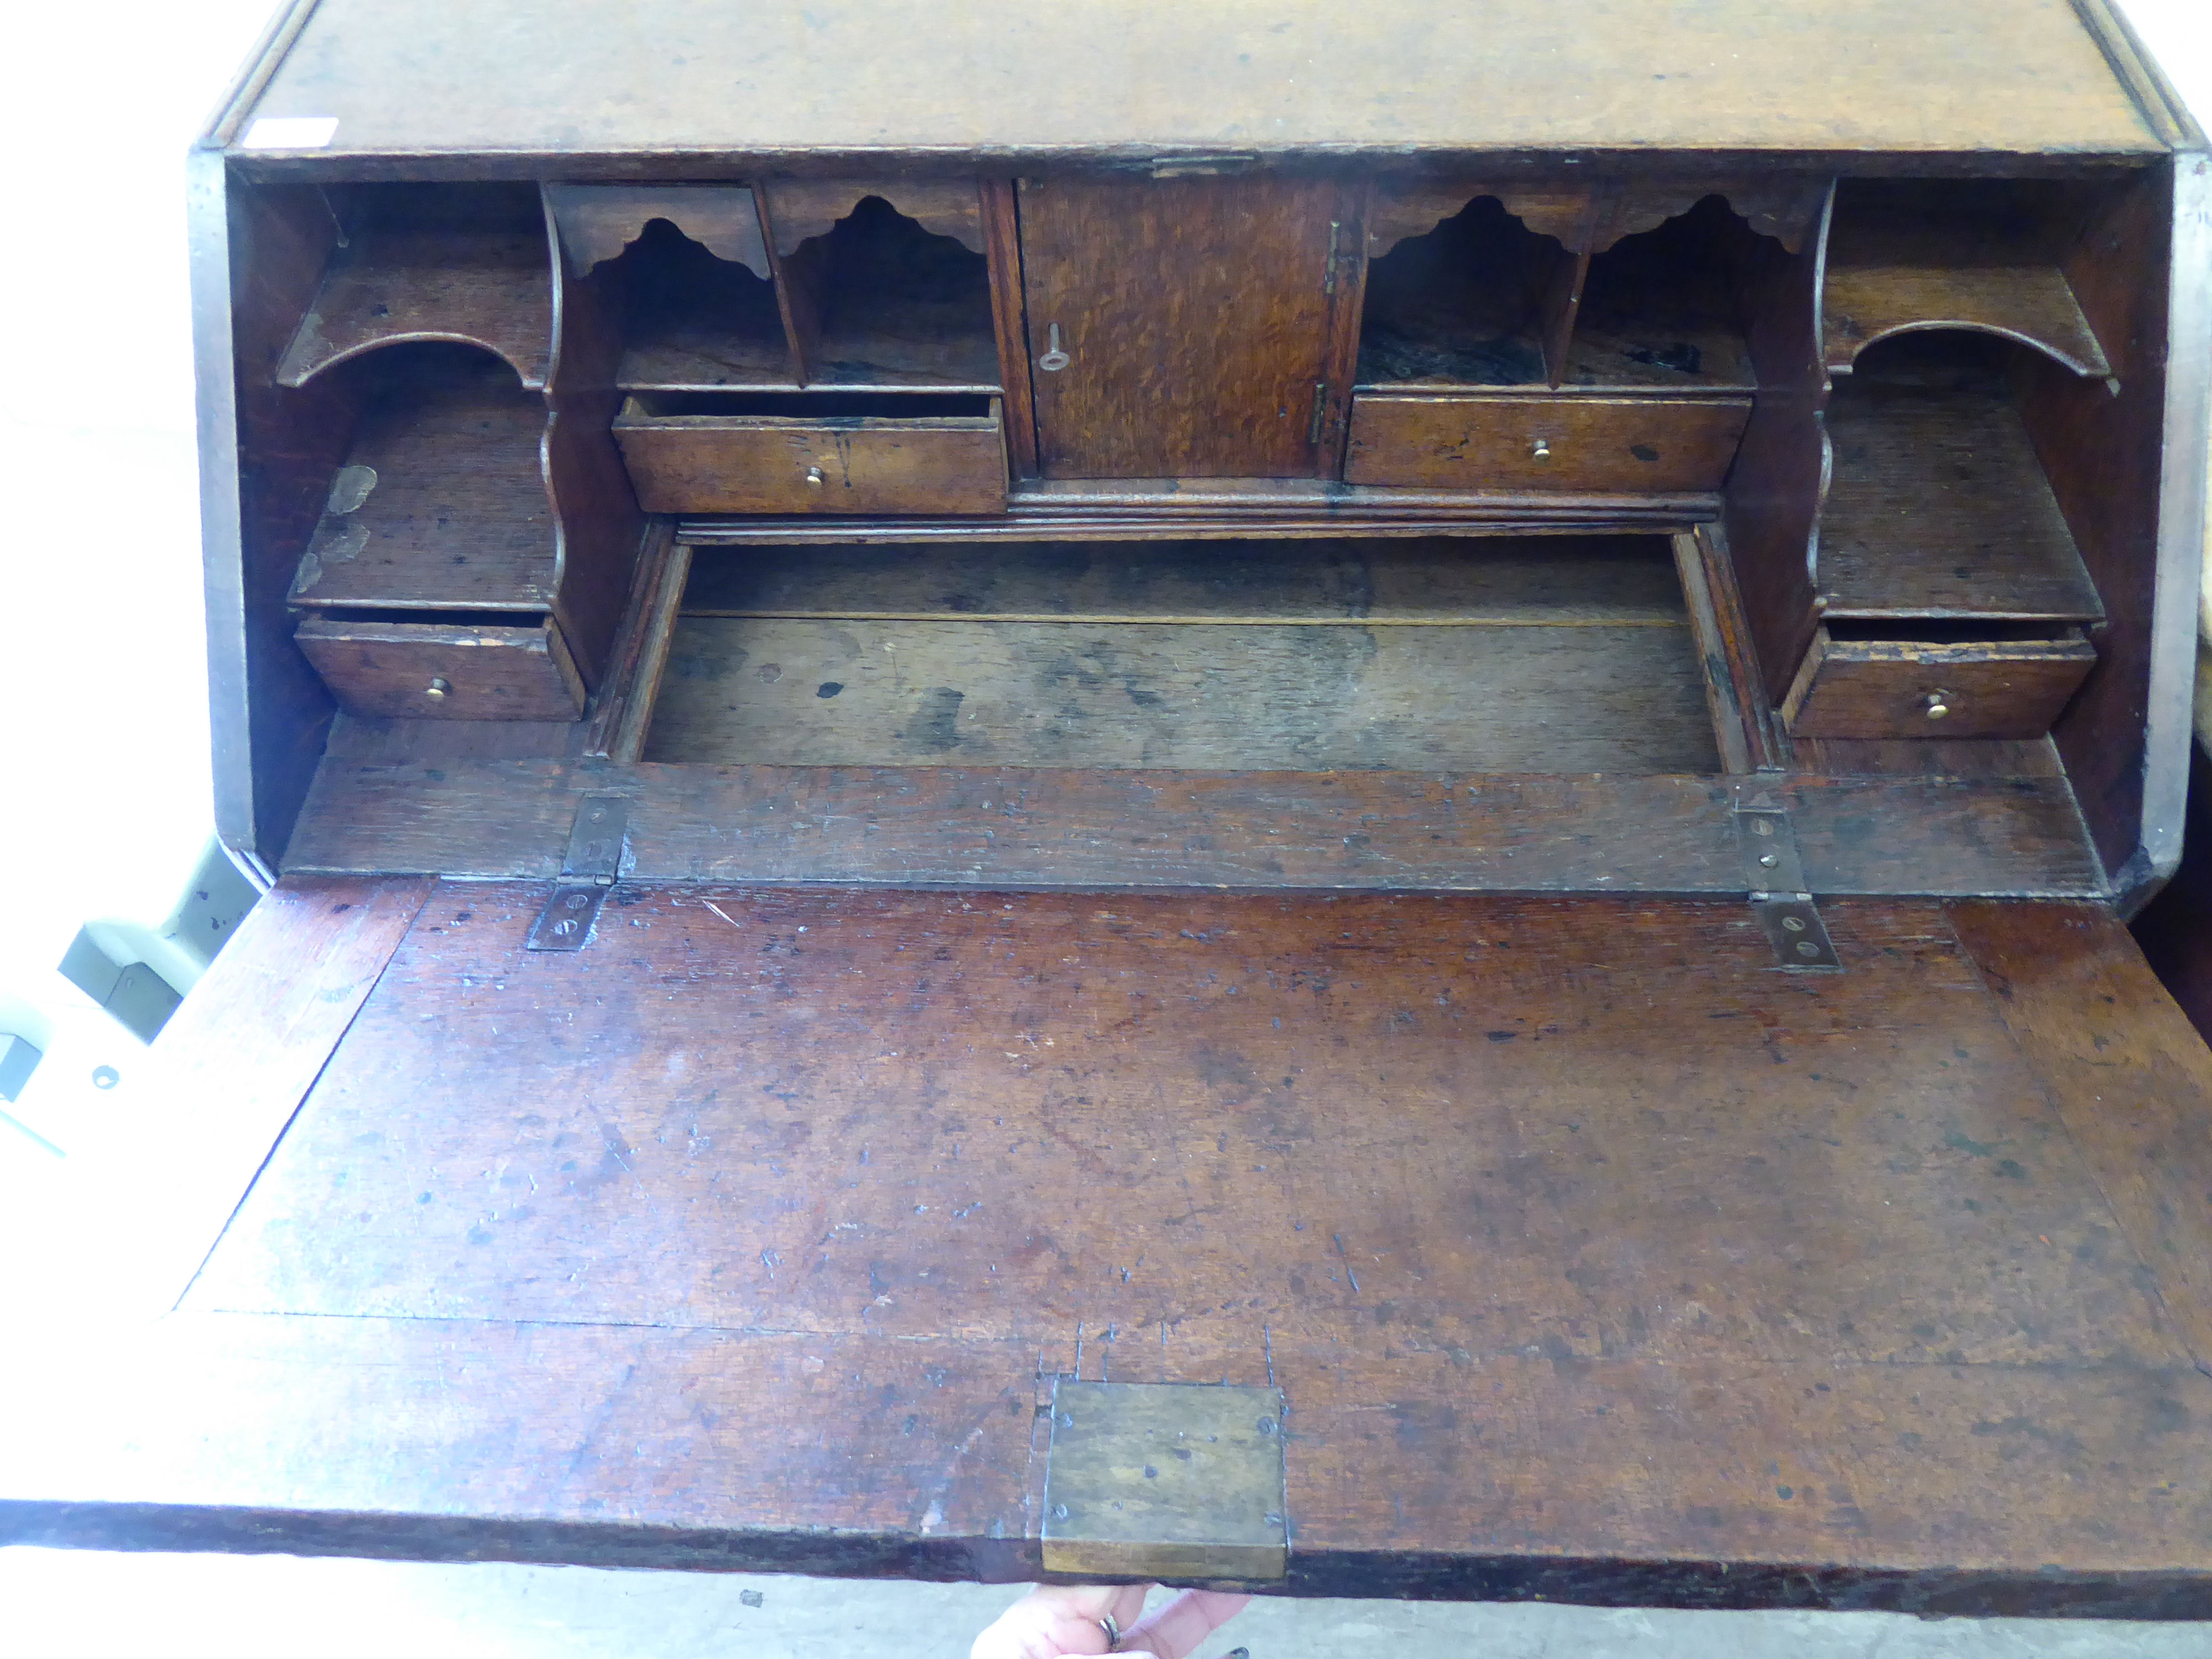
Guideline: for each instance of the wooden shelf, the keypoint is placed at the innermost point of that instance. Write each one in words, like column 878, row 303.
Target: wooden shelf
column 879, row 303
column 695, row 322
column 442, row 503
column 1658, row 310
column 1938, row 507
column 1918, row 254
column 492, row 289
column 1460, row 306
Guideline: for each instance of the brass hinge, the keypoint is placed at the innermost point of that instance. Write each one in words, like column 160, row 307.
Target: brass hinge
column 590, row 868
column 1774, row 875
column 1320, row 413
column 1165, row 1480
column 1328, row 270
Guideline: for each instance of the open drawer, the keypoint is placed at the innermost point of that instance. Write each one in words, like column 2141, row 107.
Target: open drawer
column 1985, row 687
column 908, row 454
column 445, row 669
column 1515, row 442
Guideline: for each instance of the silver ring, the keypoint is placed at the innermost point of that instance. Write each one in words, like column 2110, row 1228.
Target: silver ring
column 1112, row 1631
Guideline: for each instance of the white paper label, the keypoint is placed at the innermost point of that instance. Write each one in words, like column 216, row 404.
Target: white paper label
column 290, row 132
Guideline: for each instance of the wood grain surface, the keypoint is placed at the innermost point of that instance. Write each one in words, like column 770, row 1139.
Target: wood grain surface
column 848, row 84
column 683, row 463
column 492, row 289
column 1890, row 688
column 1558, row 655
column 1771, row 506
column 2128, row 1073
column 479, row 673
column 1596, row 1259
column 1938, row 507
column 1195, row 315
column 1531, row 579
column 457, row 518
column 597, row 222
column 1042, row 828
column 1239, row 696
column 1578, row 445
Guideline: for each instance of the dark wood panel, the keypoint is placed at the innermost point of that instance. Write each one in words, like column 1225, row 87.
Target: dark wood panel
column 1539, row 580
column 454, row 514
column 492, row 288
column 1591, row 696
column 1821, row 1262
column 595, row 223
column 682, row 463
column 596, row 523
column 1002, row 240
column 1907, row 689
column 1037, row 828
column 1937, row 507
column 1965, row 757
column 425, row 671
column 623, row 707
column 1987, row 255
column 1580, row 444
column 1772, row 502
column 2128, row 1073
column 1193, row 314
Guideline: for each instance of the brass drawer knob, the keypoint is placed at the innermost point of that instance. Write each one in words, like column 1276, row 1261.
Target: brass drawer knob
column 814, row 478
column 439, row 689
column 1937, row 705
column 1540, row 450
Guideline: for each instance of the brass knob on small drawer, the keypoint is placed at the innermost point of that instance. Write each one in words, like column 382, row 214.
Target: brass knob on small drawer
column 1540, row 450
column 439, row 689
column 814, row 478
column 1937, row 705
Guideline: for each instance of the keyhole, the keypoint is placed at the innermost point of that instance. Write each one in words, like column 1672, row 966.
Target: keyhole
column 1054, row 359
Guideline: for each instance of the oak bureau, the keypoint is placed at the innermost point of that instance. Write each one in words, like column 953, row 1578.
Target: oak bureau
column 1258, row 793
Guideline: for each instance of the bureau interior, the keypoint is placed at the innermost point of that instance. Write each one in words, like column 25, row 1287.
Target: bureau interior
column 1453, row 653
column 1442, row 454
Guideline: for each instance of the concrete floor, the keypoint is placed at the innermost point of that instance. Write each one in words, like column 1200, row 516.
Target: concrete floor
column 59, row 1604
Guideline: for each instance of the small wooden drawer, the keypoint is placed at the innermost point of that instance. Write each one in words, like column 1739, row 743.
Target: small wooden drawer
column 1886, row 688
column 1515, row 444
column 702, row 452
column 439, row 671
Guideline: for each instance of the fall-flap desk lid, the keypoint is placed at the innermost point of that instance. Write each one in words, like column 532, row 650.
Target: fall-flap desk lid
column 1545, row 1246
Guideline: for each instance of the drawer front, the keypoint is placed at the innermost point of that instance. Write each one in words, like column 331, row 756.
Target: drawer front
column 1898, row 689
column 424, row 671
column 765, row 464
column 1516, row 444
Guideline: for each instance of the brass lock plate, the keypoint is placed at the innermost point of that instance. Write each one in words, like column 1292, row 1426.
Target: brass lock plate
column 1165, row 1480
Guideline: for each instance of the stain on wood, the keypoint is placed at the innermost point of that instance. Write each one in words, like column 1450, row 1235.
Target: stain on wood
column 1702, row 1220
column 1042, row 828
column 456, row 515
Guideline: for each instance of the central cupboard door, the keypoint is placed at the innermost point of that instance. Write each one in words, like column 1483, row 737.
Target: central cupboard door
column 1178, row 328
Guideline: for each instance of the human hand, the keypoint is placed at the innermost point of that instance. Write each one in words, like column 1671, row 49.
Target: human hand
column 1062, row 1621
